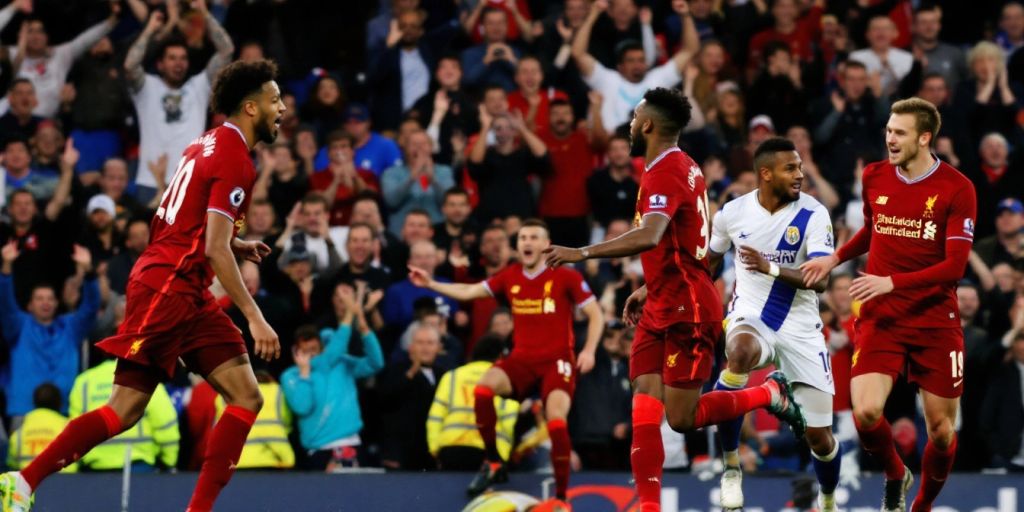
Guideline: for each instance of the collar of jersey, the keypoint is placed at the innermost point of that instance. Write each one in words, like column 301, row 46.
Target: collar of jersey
column 237, row 130
column 662, row 155
column 757, row 201
column 539, row 271
column 922, row 177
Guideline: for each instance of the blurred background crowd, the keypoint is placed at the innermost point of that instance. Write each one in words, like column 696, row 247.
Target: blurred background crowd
column 424, row 132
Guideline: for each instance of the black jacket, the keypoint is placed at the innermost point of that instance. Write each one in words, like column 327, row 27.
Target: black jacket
column 1002, row 415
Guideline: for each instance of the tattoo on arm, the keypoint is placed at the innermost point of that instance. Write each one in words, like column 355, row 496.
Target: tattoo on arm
column 133, row 62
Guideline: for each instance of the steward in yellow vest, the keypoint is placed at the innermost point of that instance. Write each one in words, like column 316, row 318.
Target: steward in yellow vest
column 39, row 428
column 452, row 436
column 267, row 445
column 154, row 439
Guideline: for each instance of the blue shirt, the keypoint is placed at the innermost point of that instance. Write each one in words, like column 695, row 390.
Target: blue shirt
column 396, row 307
column 43, row 353
column 376, row 155
column 327, row 402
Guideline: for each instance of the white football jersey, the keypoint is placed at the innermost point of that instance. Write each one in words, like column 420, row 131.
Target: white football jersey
column 800, row 231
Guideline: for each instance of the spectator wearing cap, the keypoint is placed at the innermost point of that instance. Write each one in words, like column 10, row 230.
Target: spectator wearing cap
column 342, row 180
column 891, row 63
column 19, row 122
column 374, row 152
column 623, row 88
column 112, row 180
column 778, row 90
column 400, row 75
column 397, row 307
column 997, row 175
column 850, row 126
column 572, row 151
column 494, row 59
column 416, row 184
column 101, row 236
column 529, row 98
column 1005, row 245
column 325, row 109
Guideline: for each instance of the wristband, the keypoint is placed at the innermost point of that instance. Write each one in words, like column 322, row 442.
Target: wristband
column 774, row 270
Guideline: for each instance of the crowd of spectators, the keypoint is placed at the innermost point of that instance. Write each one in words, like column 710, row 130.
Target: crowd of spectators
column 423, row 132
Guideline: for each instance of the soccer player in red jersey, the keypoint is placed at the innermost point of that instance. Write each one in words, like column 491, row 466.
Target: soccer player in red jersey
column 919, row 217
column 681, row 318
column 542, row 300
column 169, row 311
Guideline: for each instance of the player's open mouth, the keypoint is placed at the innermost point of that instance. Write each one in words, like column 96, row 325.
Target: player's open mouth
column 894, row 150
column 277, row 122
column 527, row 252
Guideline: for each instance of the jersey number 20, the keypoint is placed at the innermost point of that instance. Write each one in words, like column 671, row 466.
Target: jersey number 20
column 171, row 201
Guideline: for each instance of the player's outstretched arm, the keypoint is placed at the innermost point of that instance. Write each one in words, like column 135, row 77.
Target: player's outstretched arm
column 458, row 291
column 584, row 60
column 635, row 241
column 595, row 328
column 754, row 261
column 219, row 235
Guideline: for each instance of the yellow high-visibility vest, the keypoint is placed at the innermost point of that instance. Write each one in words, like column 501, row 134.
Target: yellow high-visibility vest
column 39, row 429
column 155, row 437
column 267, row 445
column 452, row 421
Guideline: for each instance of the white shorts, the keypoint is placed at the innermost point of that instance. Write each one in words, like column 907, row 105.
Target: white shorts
column 802, row 359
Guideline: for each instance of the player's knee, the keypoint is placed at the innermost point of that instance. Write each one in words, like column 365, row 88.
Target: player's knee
column 251, row 400
column 819, row 440
column 867, row 415
column 941, row 432
column 680, row 422
column 743, row 357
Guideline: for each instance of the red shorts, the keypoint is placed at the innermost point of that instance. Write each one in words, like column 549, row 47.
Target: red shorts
column 931, row 357
column 681, row 353
column 527, row 373
column 158, row 329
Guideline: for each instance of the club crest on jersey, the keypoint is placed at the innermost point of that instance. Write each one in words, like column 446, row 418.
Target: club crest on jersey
column 929, row 207
column 657, row 201
column 792, row 235
column 236, row 197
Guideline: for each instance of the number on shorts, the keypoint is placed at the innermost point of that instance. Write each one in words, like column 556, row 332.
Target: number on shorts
column 564, row 368
column 956, row 360
column 826, row 362
column 174, row 196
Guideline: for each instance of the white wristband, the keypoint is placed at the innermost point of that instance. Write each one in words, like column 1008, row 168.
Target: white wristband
column 773, row 269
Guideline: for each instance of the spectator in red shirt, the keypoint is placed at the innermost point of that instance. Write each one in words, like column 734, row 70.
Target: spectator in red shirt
column 342, row 181
column 517, row 12
column 799, row 32
column 572, row 151
column 529, row 99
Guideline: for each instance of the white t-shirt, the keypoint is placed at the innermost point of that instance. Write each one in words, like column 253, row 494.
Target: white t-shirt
column 900, row 63
column 621, row 96
column 168, row 120
column 800, row 231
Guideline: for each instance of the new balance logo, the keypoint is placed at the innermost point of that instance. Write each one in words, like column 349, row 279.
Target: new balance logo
column 882, row 200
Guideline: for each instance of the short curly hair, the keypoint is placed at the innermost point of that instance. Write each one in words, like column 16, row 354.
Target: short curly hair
column 239, row 80
column 671, row 106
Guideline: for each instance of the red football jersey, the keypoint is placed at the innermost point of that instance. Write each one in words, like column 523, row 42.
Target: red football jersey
column 910, row 222
column 679, row 284
column 215, row 176
column 542, row 308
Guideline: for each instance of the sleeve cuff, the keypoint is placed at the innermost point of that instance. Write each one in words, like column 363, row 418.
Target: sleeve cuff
column 222, row 212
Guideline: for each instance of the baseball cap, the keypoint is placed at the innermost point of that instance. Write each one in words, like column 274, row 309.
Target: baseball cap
column 357, row 112
column 296, row 254
column 762, row 121
column 101, row 202
column 1011, row 204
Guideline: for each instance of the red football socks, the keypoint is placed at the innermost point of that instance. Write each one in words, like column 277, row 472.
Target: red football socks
column 222, row 453
column 80, row 436
column 877, row 440
column 561, row 448
column 935, row 467
column 648, row 453
column 719, row 406
column 486, row 419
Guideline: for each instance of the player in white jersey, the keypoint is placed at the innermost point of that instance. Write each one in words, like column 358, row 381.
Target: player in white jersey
column 773, row 316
